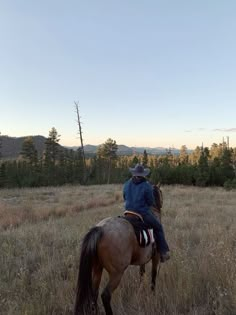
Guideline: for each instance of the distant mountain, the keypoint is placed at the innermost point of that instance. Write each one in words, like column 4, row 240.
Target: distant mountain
column 125, row 150
column 154, row 151
column 89, row 148
column 12, row 146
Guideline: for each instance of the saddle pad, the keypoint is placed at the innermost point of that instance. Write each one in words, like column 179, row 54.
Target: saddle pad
column 143, row 232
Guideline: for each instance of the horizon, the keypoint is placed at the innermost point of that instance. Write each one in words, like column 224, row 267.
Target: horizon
column 152, row 75
column 124, row 144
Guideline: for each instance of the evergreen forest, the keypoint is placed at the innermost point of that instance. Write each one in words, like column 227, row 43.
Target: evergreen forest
column 214, row 166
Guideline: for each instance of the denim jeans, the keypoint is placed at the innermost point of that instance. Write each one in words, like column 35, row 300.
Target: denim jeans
column 158, row 231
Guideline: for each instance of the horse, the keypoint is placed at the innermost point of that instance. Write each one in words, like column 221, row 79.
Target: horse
column 111, row 245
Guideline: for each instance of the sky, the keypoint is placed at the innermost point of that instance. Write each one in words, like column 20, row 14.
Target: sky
column 145, row 73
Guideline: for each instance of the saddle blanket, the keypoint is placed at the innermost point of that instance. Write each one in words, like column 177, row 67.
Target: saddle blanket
column 142, row 231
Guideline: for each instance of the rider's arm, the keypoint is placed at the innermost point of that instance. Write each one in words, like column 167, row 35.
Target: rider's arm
column 149, row 195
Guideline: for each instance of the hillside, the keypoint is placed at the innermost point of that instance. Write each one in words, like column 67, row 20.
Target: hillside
column 11, row 147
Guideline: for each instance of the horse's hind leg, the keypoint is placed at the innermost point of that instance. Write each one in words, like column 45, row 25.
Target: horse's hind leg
column 141, row 271
column 114, row 280
column 97, row 275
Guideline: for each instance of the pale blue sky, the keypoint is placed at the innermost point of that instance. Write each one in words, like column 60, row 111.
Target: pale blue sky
column 146, row 73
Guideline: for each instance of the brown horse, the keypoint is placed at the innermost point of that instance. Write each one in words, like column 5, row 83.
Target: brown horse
column 113, row 246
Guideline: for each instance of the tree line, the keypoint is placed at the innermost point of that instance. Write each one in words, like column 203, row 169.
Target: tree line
column 214, row 166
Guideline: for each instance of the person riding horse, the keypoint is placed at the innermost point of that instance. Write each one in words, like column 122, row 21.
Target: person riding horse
column 138, row 196
column 112, row 245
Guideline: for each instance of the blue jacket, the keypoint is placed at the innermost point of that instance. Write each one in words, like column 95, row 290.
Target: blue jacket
column 138, row 195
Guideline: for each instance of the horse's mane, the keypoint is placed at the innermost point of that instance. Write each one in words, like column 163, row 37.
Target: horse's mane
column 158, row 197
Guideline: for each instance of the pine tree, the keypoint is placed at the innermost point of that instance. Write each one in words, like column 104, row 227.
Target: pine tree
column 203, row 174
column 134, row 161
column 51, row 156
column 145, row 158
column 183, row 155
column 52, row 148
column 108, row 151
column 29, row 152
column 195, row 156
column 227, row 164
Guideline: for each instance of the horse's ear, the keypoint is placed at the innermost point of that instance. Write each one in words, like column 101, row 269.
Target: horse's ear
column 159, row 184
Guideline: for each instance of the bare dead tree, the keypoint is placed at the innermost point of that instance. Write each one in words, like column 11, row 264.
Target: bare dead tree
column 81, row 138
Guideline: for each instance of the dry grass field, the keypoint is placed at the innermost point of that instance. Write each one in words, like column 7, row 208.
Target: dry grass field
column 40, row 234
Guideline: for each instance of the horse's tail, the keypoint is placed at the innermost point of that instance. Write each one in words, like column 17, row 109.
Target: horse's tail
column 88, row 256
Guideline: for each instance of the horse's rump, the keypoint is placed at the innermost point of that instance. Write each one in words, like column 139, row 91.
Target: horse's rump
column 119, row 244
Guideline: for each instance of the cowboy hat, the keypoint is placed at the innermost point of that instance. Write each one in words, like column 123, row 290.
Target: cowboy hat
column 139, row 170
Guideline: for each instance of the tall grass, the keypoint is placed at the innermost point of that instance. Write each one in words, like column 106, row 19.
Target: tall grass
column 18, row 206
column 40, row 234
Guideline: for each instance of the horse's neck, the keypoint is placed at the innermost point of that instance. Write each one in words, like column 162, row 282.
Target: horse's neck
column 158, row 198
column 157, row 213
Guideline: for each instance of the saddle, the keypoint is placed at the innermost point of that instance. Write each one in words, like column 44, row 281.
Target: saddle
column 143, row 232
